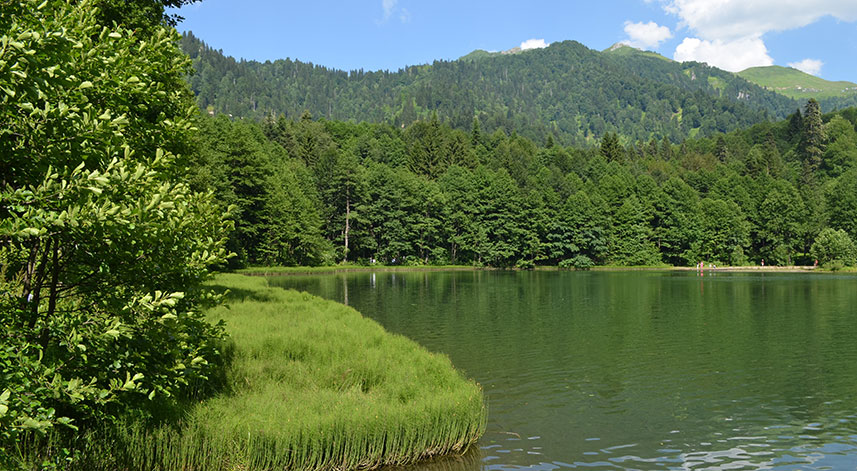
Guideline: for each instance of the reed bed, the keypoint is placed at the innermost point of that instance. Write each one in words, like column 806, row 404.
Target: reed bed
column 314, row 386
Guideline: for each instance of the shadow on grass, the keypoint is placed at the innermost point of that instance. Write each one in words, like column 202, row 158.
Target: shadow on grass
column 235, row 295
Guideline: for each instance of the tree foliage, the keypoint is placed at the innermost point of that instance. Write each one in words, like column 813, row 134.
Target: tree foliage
column 430, row 194
column 103, row 248
column 833, row 245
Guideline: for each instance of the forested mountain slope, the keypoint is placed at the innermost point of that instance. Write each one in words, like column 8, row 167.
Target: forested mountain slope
column 567, row 91
column 697, row 76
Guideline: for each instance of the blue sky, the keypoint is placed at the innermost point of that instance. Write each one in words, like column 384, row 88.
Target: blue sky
column 818, row 36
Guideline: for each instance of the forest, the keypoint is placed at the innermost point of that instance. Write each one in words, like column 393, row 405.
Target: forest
column 310, row 192
column 567, row 90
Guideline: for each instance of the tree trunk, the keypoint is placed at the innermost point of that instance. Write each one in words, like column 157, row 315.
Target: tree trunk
column 36, row 291
column 28, row 273
column 347, row 223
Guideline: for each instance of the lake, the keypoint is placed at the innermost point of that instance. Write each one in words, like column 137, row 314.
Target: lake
column 636, row 369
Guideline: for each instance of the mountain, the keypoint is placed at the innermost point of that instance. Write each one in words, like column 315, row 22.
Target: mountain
column 479, row 54
column 802, row 86
column 624, row 50
column 796, row 84
column 697, row 76
column 567, row 91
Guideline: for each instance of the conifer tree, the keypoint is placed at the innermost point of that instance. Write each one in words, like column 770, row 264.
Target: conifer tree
column 812, row 140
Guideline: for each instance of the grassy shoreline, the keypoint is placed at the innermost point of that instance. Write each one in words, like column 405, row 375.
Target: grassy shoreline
column 315, row 385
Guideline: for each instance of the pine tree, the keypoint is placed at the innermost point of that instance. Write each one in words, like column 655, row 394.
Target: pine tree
column 722, row 150
column 666, row 149
column 611, row 149
column 812, row 140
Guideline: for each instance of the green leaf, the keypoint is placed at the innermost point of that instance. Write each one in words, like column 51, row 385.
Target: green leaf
column 33, row 424
column 29, row 231
column 67, row 422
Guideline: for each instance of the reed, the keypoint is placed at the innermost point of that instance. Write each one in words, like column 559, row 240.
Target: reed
column 314, row 385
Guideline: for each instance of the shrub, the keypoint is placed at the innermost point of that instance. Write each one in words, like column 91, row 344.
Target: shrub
column 525, row 264
column 578, row 262
column 833, row 245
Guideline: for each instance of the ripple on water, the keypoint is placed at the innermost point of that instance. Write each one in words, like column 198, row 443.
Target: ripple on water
column 666, row 370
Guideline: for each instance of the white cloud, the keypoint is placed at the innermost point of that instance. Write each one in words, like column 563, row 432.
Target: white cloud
column 728, row 33
column 733, row 56
column 729, row 20
column 388, row 6
column 810, row 66
column 646, row 35
column 533, row 44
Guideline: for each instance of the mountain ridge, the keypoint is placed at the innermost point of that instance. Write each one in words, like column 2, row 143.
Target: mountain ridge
column 567, row 91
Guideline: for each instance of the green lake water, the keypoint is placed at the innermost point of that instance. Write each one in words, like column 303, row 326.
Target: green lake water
column 635, row 370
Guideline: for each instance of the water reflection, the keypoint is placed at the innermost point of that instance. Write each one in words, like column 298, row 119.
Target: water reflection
column 637, row 370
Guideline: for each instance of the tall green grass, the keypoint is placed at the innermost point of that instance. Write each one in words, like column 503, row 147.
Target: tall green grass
column 314, row 385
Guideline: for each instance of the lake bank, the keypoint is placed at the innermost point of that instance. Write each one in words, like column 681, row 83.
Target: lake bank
column 315, row 385
column 286, row 271
column 274, row 271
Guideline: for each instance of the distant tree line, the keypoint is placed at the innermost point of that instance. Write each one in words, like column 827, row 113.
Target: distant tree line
column 320, row 191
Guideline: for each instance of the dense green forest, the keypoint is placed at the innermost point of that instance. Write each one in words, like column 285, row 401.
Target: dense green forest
column 317, row 191
column 567, row 91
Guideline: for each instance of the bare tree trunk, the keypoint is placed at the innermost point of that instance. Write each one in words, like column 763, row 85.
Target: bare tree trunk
column 347, row 223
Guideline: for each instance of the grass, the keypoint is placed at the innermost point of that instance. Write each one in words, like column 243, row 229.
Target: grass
column 317, row 386
column 312, row 385
column 796, row 84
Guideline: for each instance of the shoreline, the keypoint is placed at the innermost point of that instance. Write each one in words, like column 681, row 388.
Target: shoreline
column 332, row 270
